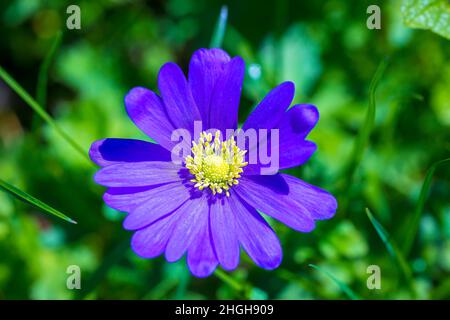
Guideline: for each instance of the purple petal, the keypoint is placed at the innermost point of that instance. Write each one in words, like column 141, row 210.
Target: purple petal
column 201, row 258
column 191, row 219
column 320, row 204
column 226, row 96
column 160, row 201
column 177, row 97
column 268, row 195
column 151, row 241
column 147, row 111
column 292, row 148
column 110, row 151
column 223, row 231
column 269, row 112
column 138, row 174
column 295, row 154
column 296, row 124
column 300, row 119
column 205, row 67
column 127, row 199
column 256, row 236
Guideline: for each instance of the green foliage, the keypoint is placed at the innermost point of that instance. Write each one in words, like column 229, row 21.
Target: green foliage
column 433, row 15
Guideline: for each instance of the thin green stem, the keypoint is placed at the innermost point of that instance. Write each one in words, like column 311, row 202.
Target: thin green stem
column 41, row 112
column 366, row 129
column 27, row 198
column 41, row 88
column 229, row 280
column 393, row 251
column 219, row 30
column 349, row 292
column 413, row 227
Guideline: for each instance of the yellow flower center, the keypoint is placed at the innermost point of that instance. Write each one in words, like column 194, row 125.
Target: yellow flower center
column 215, row 164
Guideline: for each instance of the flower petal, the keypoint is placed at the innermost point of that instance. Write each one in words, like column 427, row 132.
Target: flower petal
column 300, row 119
column 127, row 199
column 205, row 67
column 151, row 241
column 256, row 236
column 269, row 112
column 110, row 151
column 147, row 111
column 269, row 194
column 223, row 231
column 292, row 148
column 226, row 96
column 201, row 258
column 160, row 201
column 138, row 174
column 177, row 97
column 296, row 124
column 191, row 219
column 295, row 154
column 321, row 204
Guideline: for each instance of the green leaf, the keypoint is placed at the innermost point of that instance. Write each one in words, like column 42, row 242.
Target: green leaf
column 432, row 15
column 393, row 250
column 344, row 288
column 41, row 112
column 219, row 30
column 414, row 224
column 25, row 197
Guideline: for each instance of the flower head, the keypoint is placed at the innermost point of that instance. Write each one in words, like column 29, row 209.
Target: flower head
column 215, row 164
column 208, row 205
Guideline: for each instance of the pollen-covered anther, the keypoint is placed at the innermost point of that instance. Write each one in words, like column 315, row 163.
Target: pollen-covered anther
column 215, row 164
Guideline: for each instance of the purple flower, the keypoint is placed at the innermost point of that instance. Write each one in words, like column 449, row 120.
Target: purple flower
column 207, row 205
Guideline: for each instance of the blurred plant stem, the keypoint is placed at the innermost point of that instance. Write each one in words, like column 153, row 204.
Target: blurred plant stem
column 219, row 30
column 344, row 288
column 362, row 140
column 42, row 113
column 242, row 288
column 413, row 226
column 41, row 88
column 394, row 252
column 281, row 13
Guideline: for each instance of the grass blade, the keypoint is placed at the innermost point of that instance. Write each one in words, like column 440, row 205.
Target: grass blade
column 366, row 129
column 25, row 197
column 219, row 30
column 344, row 288
column 393, row 250
column 41, row 112
column 414, row 224
column 41, row 88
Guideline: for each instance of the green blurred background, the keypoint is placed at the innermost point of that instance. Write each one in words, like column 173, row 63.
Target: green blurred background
column 325, row 48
